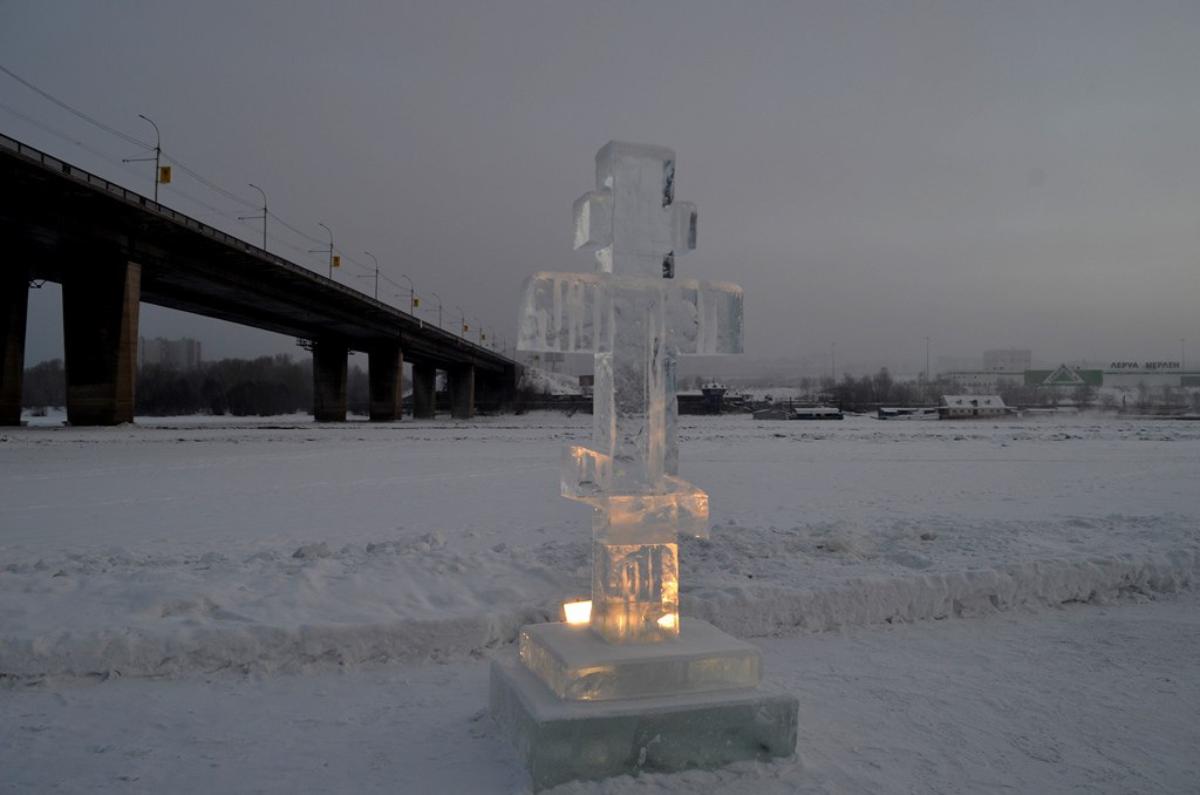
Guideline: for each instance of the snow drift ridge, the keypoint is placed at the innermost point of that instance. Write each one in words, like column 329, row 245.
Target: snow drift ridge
column 747, row 611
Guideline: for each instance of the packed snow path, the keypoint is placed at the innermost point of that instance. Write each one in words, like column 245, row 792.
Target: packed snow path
column 1083, row 698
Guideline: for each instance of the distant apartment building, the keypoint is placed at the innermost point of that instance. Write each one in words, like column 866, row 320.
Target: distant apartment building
column 180, row 354
column 1008, row 360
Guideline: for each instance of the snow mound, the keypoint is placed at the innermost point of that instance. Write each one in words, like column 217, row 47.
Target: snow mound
column 768, row 610
column 306, row 614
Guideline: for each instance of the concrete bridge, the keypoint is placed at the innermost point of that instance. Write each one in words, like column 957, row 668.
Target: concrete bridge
column 111, row 248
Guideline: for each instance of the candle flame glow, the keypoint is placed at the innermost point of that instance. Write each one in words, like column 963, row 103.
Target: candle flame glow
column 577, row 612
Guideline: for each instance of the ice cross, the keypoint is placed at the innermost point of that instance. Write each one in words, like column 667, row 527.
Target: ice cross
column 635, row 318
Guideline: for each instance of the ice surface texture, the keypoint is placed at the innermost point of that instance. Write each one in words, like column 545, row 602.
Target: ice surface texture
column 578, row 666
column 635, row 318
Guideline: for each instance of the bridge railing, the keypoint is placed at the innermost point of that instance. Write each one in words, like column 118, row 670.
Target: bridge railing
column 133, row 197
column 127, row 195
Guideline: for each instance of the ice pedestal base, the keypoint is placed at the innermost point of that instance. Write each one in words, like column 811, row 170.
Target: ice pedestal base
column 565, row 740
column 578, row 665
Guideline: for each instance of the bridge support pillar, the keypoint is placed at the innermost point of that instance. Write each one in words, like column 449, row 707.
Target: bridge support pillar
column 385, row 369
column 461, row 383
column 424, row 391
column 14, row 308
column 496, row 392
column 100, row 335
column 329, row 380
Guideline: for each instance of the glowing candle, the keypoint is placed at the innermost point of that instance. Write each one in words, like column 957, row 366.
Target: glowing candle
column 578, row 612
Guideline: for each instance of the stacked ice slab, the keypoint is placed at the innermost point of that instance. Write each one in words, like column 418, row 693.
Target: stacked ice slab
column 576, row 666
column 563, row 738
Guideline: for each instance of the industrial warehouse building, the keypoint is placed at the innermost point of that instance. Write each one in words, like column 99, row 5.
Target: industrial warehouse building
column 1118, row 375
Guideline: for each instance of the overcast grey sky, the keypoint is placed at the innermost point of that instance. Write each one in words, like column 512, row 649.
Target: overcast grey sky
column 987, row 174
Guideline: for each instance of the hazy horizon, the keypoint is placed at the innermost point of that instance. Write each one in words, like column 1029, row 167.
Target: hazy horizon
column 985, row 175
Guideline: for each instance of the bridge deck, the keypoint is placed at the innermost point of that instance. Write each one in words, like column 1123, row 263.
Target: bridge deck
column 56, row 217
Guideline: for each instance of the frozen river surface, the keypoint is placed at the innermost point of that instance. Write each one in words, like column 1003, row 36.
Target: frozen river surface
column 177, row 486
column 222, row 555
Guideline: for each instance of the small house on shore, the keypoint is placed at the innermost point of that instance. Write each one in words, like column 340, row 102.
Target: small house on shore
column 962, row 407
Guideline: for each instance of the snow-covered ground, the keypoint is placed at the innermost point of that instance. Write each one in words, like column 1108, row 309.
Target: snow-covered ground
column 1075, row 699
column 381, row 562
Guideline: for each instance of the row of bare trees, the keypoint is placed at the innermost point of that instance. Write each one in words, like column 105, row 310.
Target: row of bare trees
column 264, row 386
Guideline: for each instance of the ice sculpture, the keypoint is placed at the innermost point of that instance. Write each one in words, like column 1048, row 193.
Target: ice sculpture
column 623, row 684
column 635, row 318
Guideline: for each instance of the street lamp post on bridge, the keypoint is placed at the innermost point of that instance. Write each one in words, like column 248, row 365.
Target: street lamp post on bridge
column 376, row 261
column 321, row 250
column 256, row 217
column 439, row 300
column 158, row 173
column 412, row 294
